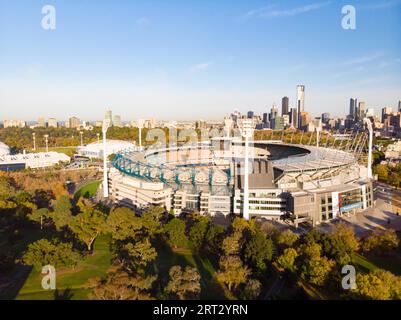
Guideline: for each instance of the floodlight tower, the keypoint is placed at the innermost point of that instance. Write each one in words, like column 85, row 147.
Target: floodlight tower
column 370, row 129
column 47, row 142
column 140, row 124
column 318, row 136
column 106, row 125
column 247, row 127
column 34, row 141
column 228, row 122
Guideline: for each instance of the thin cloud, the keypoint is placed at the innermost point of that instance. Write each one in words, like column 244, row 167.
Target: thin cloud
column 363, row 59
column 381, row 5
column 200, row 67
column 272, row 12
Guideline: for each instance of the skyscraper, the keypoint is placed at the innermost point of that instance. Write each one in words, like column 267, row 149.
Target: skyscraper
column 74, row 122
column 399, row 106
column 352, row 107
column 41, row 122
column 360, row 111
column 284, row 106
column 117, row 121
column 300, row 101
column 294, row 117
column 250, row 114
column 109, row 116
column 52, row 123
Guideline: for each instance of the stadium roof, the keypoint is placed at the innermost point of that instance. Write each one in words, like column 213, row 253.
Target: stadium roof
column 4, row 149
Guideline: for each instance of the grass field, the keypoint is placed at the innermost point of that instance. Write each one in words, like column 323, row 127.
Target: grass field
column 370, row 263
column 71, row 283
column 88, row 190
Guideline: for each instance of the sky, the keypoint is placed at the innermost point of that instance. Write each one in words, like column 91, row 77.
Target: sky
column 195, row 59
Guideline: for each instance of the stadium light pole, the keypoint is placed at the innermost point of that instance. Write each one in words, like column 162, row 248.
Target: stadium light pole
column 247, row 128
column 34, row 141
column 317, row 137
column 370, row 129
column 140, row 123
column 106, row 125
column 47, row 142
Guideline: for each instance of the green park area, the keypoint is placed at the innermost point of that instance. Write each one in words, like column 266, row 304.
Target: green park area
column 88, row 190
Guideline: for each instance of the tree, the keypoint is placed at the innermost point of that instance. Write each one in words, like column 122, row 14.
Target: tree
column 258, row 251
column 378, row 285
column 185, row 284
column 252, row 289
column 151, row 220
column 88, row 225
column 198, row 232
column 214, row 239
column 287, row 260
column 44, row 252
column 175, row 230
column 39, row 216
column 287, row 238
column 382, row 171
column 314, row 267
column 381, row 243
column 341, row 243
column 123, row 224
column 122, row 286
column 6, row 189
column 232, row 272
column 62, row 212
column 139, row 255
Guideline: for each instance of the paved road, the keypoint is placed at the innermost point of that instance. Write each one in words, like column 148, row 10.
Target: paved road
column 383, row 215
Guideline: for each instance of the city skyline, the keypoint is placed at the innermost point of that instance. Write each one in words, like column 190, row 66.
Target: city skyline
column 196, row 60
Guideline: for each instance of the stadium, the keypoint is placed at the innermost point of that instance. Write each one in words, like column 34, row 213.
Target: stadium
column 300, row 182
column 4, row 149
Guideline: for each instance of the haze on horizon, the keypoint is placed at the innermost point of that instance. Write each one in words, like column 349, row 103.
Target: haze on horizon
column 202, row 59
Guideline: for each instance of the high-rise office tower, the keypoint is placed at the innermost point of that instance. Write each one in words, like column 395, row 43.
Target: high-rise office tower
column 352, row 107
column 387, row 111
column 250, row 114
column 273, row 113
column 300, row 100
column 74, row 122
column 109, row 116
column 284, row 106
column 41, row 122
column 52, row 123
column 399, row 106
column 325, row 117
column 360, row 111
column 294, row 117
column 117, row 121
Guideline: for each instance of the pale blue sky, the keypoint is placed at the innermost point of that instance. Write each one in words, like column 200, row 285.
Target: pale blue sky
column 193, row 59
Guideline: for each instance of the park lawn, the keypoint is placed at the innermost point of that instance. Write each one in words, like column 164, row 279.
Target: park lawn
column 210, row 288
column 373, row 262
column 88, row 190
column 71, row 283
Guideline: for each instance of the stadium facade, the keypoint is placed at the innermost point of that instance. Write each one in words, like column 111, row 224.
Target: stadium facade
column 304, row 183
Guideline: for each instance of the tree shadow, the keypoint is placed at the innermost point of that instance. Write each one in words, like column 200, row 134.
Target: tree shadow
column 65, row 294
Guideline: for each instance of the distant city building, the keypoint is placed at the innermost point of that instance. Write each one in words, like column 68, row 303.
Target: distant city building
column 370, row 112
column 250, row 114
column 41, row 122
column 352, row 108
column 109, row 116
column 117, row 121
column 14, row 124
column 300, row 101
column 294, row 117
column 278, row 123
column 284, row 106
column 386, row 112
column 399, row 106
column 273, row 113
column 360, row 111
column 304, row 118
column 52, row 123
column 325, row 117
column 74, row 122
